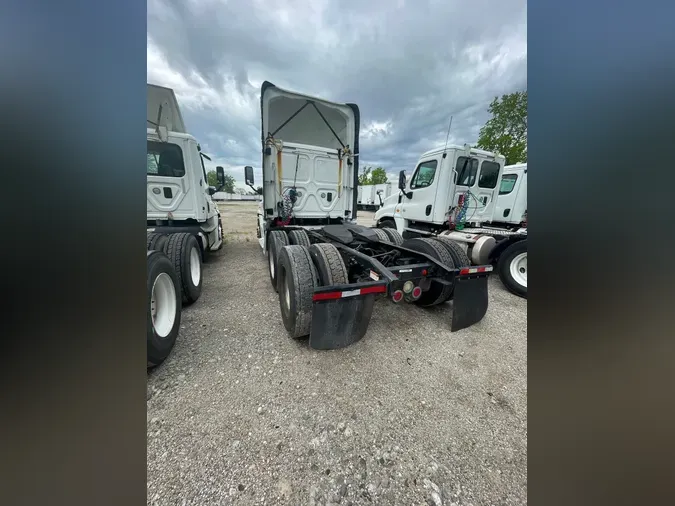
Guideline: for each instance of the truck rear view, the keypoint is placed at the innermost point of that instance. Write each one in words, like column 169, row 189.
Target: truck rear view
column 327, row 269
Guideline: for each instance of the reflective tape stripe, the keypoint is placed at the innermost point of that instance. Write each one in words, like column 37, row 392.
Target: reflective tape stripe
column 349, row 293
column 475, row 270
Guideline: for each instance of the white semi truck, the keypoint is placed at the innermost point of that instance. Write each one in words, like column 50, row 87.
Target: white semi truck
column 183, row 222
column 326, row 268
column 454, row 193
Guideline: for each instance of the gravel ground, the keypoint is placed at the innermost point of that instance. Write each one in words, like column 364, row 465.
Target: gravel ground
column 412, row 414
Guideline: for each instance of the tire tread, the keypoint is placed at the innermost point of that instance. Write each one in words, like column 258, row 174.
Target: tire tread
column 299, row 237
column 335, row 266
column 305, row 280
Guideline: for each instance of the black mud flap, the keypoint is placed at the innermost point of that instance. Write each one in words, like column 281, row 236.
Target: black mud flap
column 340, row 322
column 470, row 301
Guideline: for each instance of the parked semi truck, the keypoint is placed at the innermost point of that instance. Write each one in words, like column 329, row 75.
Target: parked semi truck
column 327, row 269
column 454, row 194
column 183, row 223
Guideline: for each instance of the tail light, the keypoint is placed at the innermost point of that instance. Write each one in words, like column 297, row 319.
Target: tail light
column 416, row 293
column 397, row 296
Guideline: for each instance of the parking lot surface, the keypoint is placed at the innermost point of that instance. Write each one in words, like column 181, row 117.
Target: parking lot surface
column 412, row 414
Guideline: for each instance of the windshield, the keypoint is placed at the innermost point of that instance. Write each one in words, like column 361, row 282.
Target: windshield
column 165, row 159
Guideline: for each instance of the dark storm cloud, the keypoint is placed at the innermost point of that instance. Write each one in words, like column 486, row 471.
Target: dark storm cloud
column 408, row 65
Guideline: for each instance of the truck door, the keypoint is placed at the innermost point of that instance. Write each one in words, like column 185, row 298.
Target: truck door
column 168, row 182
column 478, row 178
column 486, row 190
column 421, row 190
column 508, row 190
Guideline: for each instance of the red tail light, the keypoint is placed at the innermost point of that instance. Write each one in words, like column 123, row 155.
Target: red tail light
column 397, row 296
column 416, row 293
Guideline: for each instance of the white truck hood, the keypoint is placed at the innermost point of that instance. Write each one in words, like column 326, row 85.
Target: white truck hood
column 170, row 117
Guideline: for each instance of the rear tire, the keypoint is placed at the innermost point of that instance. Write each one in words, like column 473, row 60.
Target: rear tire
column 394, row 236
column 157, row 241
column 512, row 268
column 299, row 237
column 183, row 250
column 277, row 240
column 329, row 265
column 297, row 279
column 381, row 234
column 437, row 292
column 458, row 255
column 164, row 308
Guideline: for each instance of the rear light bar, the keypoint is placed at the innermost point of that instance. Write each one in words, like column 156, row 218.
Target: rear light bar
column 475, row 270
column 349, row 293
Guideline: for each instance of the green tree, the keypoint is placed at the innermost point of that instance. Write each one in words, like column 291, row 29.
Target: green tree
column 506, row 131
column 364, row 177
column 372, row 176
column 378, row 176
column 212, row 180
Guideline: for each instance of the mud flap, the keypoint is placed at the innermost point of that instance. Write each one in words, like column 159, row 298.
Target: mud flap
column 470, row 301
column 340, row 322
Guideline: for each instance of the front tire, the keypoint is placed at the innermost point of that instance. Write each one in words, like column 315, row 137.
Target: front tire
column 512, row 268
column 164, row 308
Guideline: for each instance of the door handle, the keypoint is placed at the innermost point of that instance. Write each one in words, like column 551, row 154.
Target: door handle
column 428, row 210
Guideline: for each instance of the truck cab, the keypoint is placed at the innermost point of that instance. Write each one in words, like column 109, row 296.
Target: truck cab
column 439, row 180
column 178, row 194
column 310, row 165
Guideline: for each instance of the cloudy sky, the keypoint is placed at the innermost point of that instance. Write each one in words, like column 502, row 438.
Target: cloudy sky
column 408, row 65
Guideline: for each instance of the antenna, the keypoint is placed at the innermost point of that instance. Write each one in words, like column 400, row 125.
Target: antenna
column 447, row 137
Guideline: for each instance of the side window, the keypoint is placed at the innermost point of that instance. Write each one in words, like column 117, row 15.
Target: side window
column 153, row 162
column 466, row 168
column 165, row 159
column 508, row 182
column 489, row 173
column 424, row 174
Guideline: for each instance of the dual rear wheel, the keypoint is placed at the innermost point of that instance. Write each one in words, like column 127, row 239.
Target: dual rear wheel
column 174, row 279
column 296, row 270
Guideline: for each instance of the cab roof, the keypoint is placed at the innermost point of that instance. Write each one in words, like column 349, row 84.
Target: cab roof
column 476, row 151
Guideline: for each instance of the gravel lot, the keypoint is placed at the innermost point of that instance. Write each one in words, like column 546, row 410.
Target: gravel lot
column 412, row 414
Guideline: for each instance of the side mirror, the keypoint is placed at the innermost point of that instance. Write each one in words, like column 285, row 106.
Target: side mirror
column 211, row 190
column 379, row 192
column 220, row 174
column 248, row 175
column 401, row 180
